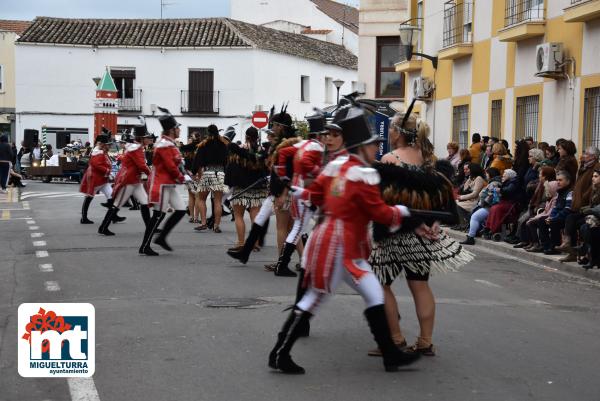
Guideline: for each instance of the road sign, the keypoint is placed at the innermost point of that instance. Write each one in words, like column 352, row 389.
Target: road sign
column 260, row 119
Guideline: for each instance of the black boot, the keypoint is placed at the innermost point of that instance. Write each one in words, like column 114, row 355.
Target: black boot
column 145, row 211
column 304, row 329
column 282, row 267
column 392, row 355
column 135, row 204
column 243, row 254
column 150, row 229
column 279, row 357
column 263, row 234
column 468, row 241
column 103, row 229
column 169, row 225
column 84, row 210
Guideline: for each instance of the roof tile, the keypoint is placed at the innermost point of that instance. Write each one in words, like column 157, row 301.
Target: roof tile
column 15, row 26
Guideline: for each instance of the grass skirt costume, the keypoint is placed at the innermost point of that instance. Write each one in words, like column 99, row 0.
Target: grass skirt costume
column 246, row 167
column 213, row 179
column 423, row 189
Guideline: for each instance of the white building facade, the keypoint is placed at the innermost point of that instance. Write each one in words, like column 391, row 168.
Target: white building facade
column 200, row 85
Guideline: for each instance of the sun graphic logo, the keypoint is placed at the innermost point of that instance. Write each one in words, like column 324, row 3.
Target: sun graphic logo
column 56, row 340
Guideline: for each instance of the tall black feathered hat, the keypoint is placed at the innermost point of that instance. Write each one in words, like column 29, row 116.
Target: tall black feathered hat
column 316, row 123
column 104, row 138
column 229, row 133
column 141, row 131
column 340, row 113
column 167, row 121
column 283, row 118
column 356, row 129
column 127, row 138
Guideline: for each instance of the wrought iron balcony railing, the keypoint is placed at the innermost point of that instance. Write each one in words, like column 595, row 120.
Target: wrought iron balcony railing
column 458, row 23
column 518, row 11
column 130, row 100
column 194, row 101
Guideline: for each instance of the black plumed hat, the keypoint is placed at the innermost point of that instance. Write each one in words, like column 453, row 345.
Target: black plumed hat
column 356, row 129
column 316, row 124
column 167, row 121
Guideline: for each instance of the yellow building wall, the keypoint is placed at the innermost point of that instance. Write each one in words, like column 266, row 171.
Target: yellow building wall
column 481, row 66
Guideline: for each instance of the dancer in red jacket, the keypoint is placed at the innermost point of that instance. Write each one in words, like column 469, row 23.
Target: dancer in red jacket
column 166, row 174
column 338, row 248
column 128, row 181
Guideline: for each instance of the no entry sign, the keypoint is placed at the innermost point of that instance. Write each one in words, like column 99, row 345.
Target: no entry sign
column 260, row 119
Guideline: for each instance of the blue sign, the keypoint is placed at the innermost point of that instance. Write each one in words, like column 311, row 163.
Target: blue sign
column 381, row 122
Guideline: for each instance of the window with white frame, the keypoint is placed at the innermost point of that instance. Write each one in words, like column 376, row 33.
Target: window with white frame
column 460, row 126
column 591, row 117
column 527, row 117
column 304, row 88
column 328, row 90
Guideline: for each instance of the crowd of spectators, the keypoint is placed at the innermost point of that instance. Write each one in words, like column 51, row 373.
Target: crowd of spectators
column 542, row 199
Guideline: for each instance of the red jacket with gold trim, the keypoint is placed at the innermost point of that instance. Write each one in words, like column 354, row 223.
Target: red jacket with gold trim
column 97, row 172
column 349, row 194
column 133, row 164
column 165, row 168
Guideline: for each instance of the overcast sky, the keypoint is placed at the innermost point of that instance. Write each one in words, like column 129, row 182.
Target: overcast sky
column 29, row 9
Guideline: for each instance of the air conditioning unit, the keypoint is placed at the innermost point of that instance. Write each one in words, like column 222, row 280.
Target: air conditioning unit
column 422, row 88
column 549, row 60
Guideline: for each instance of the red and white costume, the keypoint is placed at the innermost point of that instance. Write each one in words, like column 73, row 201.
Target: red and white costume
column 97, row 175
column 339, row 247
column 165, row 176
column 128, row 181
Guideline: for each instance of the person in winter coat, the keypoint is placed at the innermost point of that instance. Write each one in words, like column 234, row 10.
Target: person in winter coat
column 6, row 156
column 488, row 197
column 501, row 159
column 507, row 208
column 469, row 192
column 567, row 161
column 453, row 156
column 590, row 231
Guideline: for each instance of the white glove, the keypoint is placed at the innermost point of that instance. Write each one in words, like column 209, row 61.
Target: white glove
column 404, row 212
column 111, row 177
column 296, row 192
column 187, row 178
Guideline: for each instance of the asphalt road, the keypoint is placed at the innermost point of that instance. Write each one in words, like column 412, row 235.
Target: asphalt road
column 504, row 330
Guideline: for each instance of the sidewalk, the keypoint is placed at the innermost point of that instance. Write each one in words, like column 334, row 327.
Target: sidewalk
column 550, row 261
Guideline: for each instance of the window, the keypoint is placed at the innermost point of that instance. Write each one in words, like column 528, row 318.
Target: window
column 389, row 83
column 328, row 90
column 200, row 96
column 460, row 126
column 527, row 117
column 496, row 128
column 304, row 88
column 1, row 78
column 523, row 10
column 124, row 80
column 458, row 22
column 591, row 117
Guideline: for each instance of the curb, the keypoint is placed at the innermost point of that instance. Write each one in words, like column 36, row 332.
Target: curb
column 542, row 260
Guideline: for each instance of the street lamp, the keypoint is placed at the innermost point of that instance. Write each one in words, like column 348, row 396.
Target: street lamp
column 338, row 84
column 409, row 36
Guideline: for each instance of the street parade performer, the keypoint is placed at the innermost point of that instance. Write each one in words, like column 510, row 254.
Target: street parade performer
column 97, row 176
column 408, row 177
column 348, row 192
column 283, row 130
column 166, row 174
column 246, row 174
column 128, row 182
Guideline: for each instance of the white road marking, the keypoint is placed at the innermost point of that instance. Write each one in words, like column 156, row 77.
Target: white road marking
column 62, row 196
column 52, row 286
column 33, row 228
column 37, row 235
column 30, row 221
column 83, row 389
column 488, row 283
column 537, row 301
column 26, row 206
column 39, row 243
column 46, row 268
column 41, row 254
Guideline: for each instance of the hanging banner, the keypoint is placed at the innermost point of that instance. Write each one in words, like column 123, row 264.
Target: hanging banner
column 381, row 122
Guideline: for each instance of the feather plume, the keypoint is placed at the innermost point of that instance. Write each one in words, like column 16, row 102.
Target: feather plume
column 166, row 111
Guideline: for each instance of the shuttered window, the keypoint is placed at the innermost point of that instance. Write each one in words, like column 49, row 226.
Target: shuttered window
column 496, row 114
column 591, row 117
column 527, row 117
column 460, row 125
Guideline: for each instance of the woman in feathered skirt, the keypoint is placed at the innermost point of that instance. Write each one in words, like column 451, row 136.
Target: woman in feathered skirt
column 409, row 178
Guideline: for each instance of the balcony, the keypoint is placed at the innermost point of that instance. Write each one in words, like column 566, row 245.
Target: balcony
column 130, row 100
column 199, row 102
column 582, row 11
column 458, row 30
column 523, row 19
column 414, row 64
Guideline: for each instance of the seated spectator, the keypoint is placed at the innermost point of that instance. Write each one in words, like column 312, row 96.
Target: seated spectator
column 582, row 192
column 507, row 209
column 549, row 229
column 487, row 157
column 488, row 197
column 501, row 160
column 475, row 148
column 543, row 146
column 538, row 200
column 453, row 156
column 550, row 189
column 504, row 142
column 468, row 195
column 590, row 231
column 15, row 179
column 465, row 160
column 530, row 142
column 567, row 161
column 552, row 156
